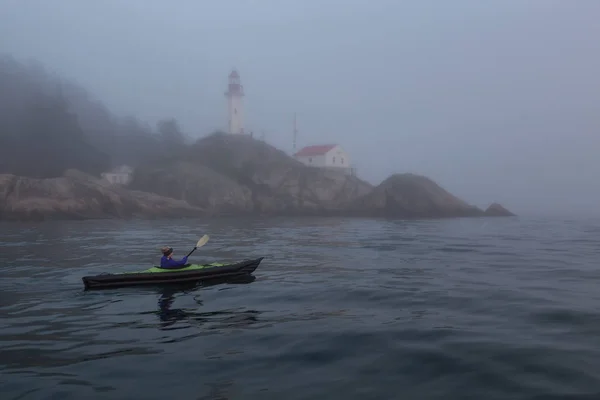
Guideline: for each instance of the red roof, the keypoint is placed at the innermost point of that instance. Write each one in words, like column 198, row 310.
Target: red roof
column 317, row 150
column 234, row 74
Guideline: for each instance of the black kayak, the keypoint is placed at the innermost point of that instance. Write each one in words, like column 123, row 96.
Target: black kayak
column 156, row 275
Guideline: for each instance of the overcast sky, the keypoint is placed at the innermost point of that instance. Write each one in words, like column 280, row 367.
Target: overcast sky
column 496, row 100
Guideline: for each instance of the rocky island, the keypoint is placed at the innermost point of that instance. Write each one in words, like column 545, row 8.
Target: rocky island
column 229, row 175
column 55, row 141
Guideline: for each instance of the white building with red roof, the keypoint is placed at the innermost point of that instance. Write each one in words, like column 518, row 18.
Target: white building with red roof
column 325, row 156
column 119, row 176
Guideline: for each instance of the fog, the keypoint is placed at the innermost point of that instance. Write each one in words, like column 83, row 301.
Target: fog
column 494, row 100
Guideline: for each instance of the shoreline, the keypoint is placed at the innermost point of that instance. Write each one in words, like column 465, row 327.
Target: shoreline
column 247, row 217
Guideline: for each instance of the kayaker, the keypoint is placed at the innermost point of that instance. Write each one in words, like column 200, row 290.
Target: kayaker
column 167, row 261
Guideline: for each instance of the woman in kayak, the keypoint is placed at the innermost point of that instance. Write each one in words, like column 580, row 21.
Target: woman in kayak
column 167, row 261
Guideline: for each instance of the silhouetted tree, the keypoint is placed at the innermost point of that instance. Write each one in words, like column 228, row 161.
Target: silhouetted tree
column 48, row 125
column 170, row 133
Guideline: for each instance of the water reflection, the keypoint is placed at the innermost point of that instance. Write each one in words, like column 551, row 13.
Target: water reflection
column 168, row 316
column 218, row 391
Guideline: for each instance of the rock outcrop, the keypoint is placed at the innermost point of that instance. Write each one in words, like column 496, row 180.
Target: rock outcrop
column 80, row 196
column 412, row 196
column 496, row 210
column 229, row 175
column 238, row 174
column 197, row 185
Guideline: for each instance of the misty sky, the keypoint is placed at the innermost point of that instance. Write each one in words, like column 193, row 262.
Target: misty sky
column 495, row 100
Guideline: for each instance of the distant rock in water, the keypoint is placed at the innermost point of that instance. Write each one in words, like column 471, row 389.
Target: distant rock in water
column 80, row 196
column 413, row 196
column 496, row 210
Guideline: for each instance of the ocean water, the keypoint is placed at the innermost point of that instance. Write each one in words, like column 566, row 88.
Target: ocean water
column 489, row 308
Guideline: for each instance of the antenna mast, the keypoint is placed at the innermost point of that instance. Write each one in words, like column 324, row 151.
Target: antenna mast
column 295, row 134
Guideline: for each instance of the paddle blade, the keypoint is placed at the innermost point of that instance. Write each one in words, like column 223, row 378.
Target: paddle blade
column 203, row 240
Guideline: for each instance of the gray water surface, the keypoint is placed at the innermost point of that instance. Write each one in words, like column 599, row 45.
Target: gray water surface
column 492, row 308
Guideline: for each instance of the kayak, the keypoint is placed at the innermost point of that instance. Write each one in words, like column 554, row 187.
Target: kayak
column 156, row 275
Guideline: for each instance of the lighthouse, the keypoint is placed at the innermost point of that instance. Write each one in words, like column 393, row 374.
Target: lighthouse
column 234, row 94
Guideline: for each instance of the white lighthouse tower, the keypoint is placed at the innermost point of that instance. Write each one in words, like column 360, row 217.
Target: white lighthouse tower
column 234, row 94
